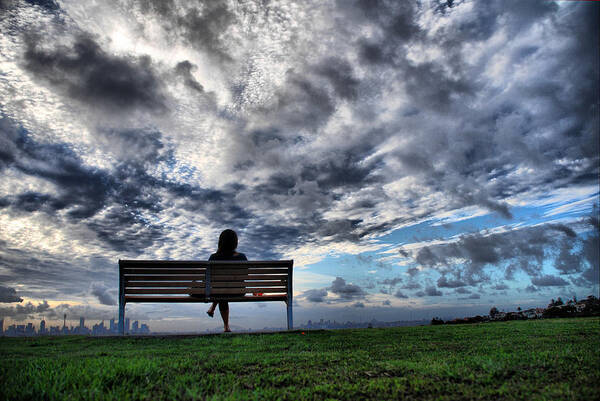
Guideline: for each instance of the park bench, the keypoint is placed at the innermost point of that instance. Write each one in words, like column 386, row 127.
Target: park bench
column 204, row 281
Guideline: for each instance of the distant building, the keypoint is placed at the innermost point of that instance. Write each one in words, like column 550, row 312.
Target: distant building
column 127, row 323
column 2, row 326
column 113, row 326
column 42, row 327
column 81, row 323
column 135, row 328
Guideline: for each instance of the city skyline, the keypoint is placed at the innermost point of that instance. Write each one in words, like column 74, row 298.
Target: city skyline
column 98, row 329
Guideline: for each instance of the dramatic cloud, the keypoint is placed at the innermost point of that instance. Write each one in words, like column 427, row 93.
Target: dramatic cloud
column 415, row 146
column 548, row 281
column 20, row 312
column 433, row 292
column 315, row 295
column 472, row 258
column 391, row 281
column 430, row 291
column 346, row 291
column 472, row 296
column 87, row 73
column 102, row 293
column 8, row 294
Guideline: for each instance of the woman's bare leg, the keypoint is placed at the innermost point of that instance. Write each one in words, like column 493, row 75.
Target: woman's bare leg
column 225, row 315
column 211, row 310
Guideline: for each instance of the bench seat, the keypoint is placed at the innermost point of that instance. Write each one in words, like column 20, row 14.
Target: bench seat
column 192, row 281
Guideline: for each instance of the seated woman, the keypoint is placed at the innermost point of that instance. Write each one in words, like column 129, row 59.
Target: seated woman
column 228, row 242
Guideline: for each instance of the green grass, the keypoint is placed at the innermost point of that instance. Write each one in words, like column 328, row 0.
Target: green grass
column 545, row 359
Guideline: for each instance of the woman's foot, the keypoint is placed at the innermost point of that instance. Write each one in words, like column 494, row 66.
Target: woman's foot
column 227, row 330
column 210, row 313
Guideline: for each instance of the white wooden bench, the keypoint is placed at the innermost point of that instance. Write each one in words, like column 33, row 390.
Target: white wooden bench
column 204, row 281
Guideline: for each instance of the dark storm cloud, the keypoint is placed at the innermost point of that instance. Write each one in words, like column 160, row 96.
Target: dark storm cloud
column 358, row 305
column 472, row 296
column 500, row 287
column 396, row 19
column 114, row 204
column 471, row 164
column 49, row 5
column 411, row 286
column 100, row 291
column 591, row 250
column 431, row 291
column 346, row 291
column 522, row 249
column 84, row 191
column 531, row 289
column 202, row 26
column 391, row 281
column 8, row 294
column 302, row 103
column 386, row 302
column 318, row 295
column 400, row 294
column 342, row 169
column 446, row 83
column 443, row 282
column 340, row 75
column 87, row 73
column 184, row 69
column 548, row 281
column 136, row 148
column 21, row 312
column 47, row 275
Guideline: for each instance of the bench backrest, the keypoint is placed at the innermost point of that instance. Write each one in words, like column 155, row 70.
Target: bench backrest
column 203, row 281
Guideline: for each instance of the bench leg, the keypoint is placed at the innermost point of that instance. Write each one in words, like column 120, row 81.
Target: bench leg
column 121, row 317
column 290, row 323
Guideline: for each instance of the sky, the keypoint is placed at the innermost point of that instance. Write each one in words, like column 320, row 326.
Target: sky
column 415, row 159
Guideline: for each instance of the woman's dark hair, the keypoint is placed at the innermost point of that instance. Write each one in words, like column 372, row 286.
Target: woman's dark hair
column 228, row 242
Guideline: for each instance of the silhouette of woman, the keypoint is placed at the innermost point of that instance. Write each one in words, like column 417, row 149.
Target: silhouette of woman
column 228, row 242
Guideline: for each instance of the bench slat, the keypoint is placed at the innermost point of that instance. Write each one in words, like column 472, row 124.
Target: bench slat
column 246, row 290
column 220, row 270
column 246, row 277
column 251, row 264
column 161, row 291
column 224, row 284
column 204, row 263
column 186, row 284
column 199, row 277
column 161, row 263
column 164, row 271
column 199, row 267
column 146, row 298
column 218, row 284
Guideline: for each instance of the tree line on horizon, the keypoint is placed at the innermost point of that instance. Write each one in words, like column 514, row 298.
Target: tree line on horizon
column 589, row 306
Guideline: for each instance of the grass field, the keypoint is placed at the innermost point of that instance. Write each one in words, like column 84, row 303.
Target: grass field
column 543, row 359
